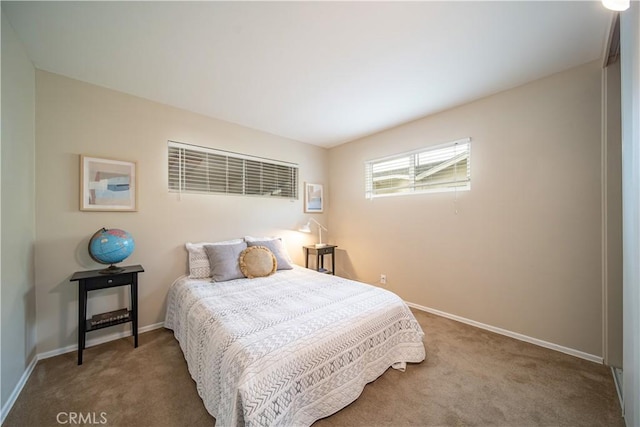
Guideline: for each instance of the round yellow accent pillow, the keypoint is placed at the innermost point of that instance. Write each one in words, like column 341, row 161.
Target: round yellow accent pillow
column 257, row 261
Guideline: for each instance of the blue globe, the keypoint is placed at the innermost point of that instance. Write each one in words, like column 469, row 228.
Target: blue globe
column 111, row 246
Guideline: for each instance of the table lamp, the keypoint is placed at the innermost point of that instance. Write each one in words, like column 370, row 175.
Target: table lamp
column 307, row 229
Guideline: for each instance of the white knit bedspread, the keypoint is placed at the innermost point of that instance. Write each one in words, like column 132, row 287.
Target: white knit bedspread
column 288, row 349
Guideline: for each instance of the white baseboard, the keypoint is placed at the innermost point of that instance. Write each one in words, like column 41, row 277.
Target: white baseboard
column 520, row 337
column 96, row 341
column 18, row 388
column 40, row 356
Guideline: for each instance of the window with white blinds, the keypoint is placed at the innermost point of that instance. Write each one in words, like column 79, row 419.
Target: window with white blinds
column 194, row 169
column 445, row 167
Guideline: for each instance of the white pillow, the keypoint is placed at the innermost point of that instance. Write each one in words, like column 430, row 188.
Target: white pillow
column 199, row 266
column 257, row 239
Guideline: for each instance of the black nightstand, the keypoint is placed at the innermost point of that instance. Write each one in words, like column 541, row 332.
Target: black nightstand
column 93, row 280
column 320, row 253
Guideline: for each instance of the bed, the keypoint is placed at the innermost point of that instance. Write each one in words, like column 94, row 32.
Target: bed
column 290, row 348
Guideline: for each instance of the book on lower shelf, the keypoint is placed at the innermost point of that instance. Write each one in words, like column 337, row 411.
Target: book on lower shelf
column 110, row 316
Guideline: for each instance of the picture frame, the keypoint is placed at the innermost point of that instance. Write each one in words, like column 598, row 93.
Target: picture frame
column 313, row 198
column 108, row 185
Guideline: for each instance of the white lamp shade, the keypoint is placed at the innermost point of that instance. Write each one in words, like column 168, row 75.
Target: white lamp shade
column 305, row 228
column 617, row 5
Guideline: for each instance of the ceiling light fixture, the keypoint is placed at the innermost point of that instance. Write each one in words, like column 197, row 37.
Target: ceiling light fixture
column 617, row 5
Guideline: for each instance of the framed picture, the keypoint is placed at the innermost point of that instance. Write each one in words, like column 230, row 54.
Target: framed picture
column 108, row 185
column 313, row 198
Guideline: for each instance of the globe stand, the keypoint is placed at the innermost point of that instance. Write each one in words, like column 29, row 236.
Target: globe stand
column 112, row 269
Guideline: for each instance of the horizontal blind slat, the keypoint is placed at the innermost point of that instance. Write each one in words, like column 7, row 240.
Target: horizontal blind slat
column 203, row 170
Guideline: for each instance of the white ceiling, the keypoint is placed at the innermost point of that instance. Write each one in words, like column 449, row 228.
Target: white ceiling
column 318, row 72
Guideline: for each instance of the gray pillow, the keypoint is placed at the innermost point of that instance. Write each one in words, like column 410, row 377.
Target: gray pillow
column 224, row 260
column 276, row 246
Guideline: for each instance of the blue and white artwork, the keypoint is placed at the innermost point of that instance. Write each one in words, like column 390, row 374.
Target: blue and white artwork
column 313, row 198
column 108, row 184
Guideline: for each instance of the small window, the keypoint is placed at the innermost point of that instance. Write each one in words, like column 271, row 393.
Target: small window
column 445, row 167
column 194, row 169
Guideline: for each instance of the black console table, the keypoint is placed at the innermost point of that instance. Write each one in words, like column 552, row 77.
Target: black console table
column 93, row 280
column 320, row 252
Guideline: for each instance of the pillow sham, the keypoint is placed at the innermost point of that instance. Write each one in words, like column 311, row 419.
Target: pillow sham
column 258, row 239
column 224, row 260
column 199, row 266
column 257, row 261
column 276, row 246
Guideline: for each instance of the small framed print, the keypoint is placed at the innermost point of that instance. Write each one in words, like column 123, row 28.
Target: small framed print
column 313, row 198
column 108, row 185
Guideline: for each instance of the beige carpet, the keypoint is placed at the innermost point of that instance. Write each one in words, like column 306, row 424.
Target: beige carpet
column 470, row 377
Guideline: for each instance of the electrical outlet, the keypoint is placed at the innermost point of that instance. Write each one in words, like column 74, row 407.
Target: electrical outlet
column 383, row 279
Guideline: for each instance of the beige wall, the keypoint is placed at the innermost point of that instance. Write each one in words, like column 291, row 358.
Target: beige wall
column 76, row 118
column 523, row 251
column 18, row 212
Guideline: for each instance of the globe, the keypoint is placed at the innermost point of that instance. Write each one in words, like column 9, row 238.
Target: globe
column 111, row 246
